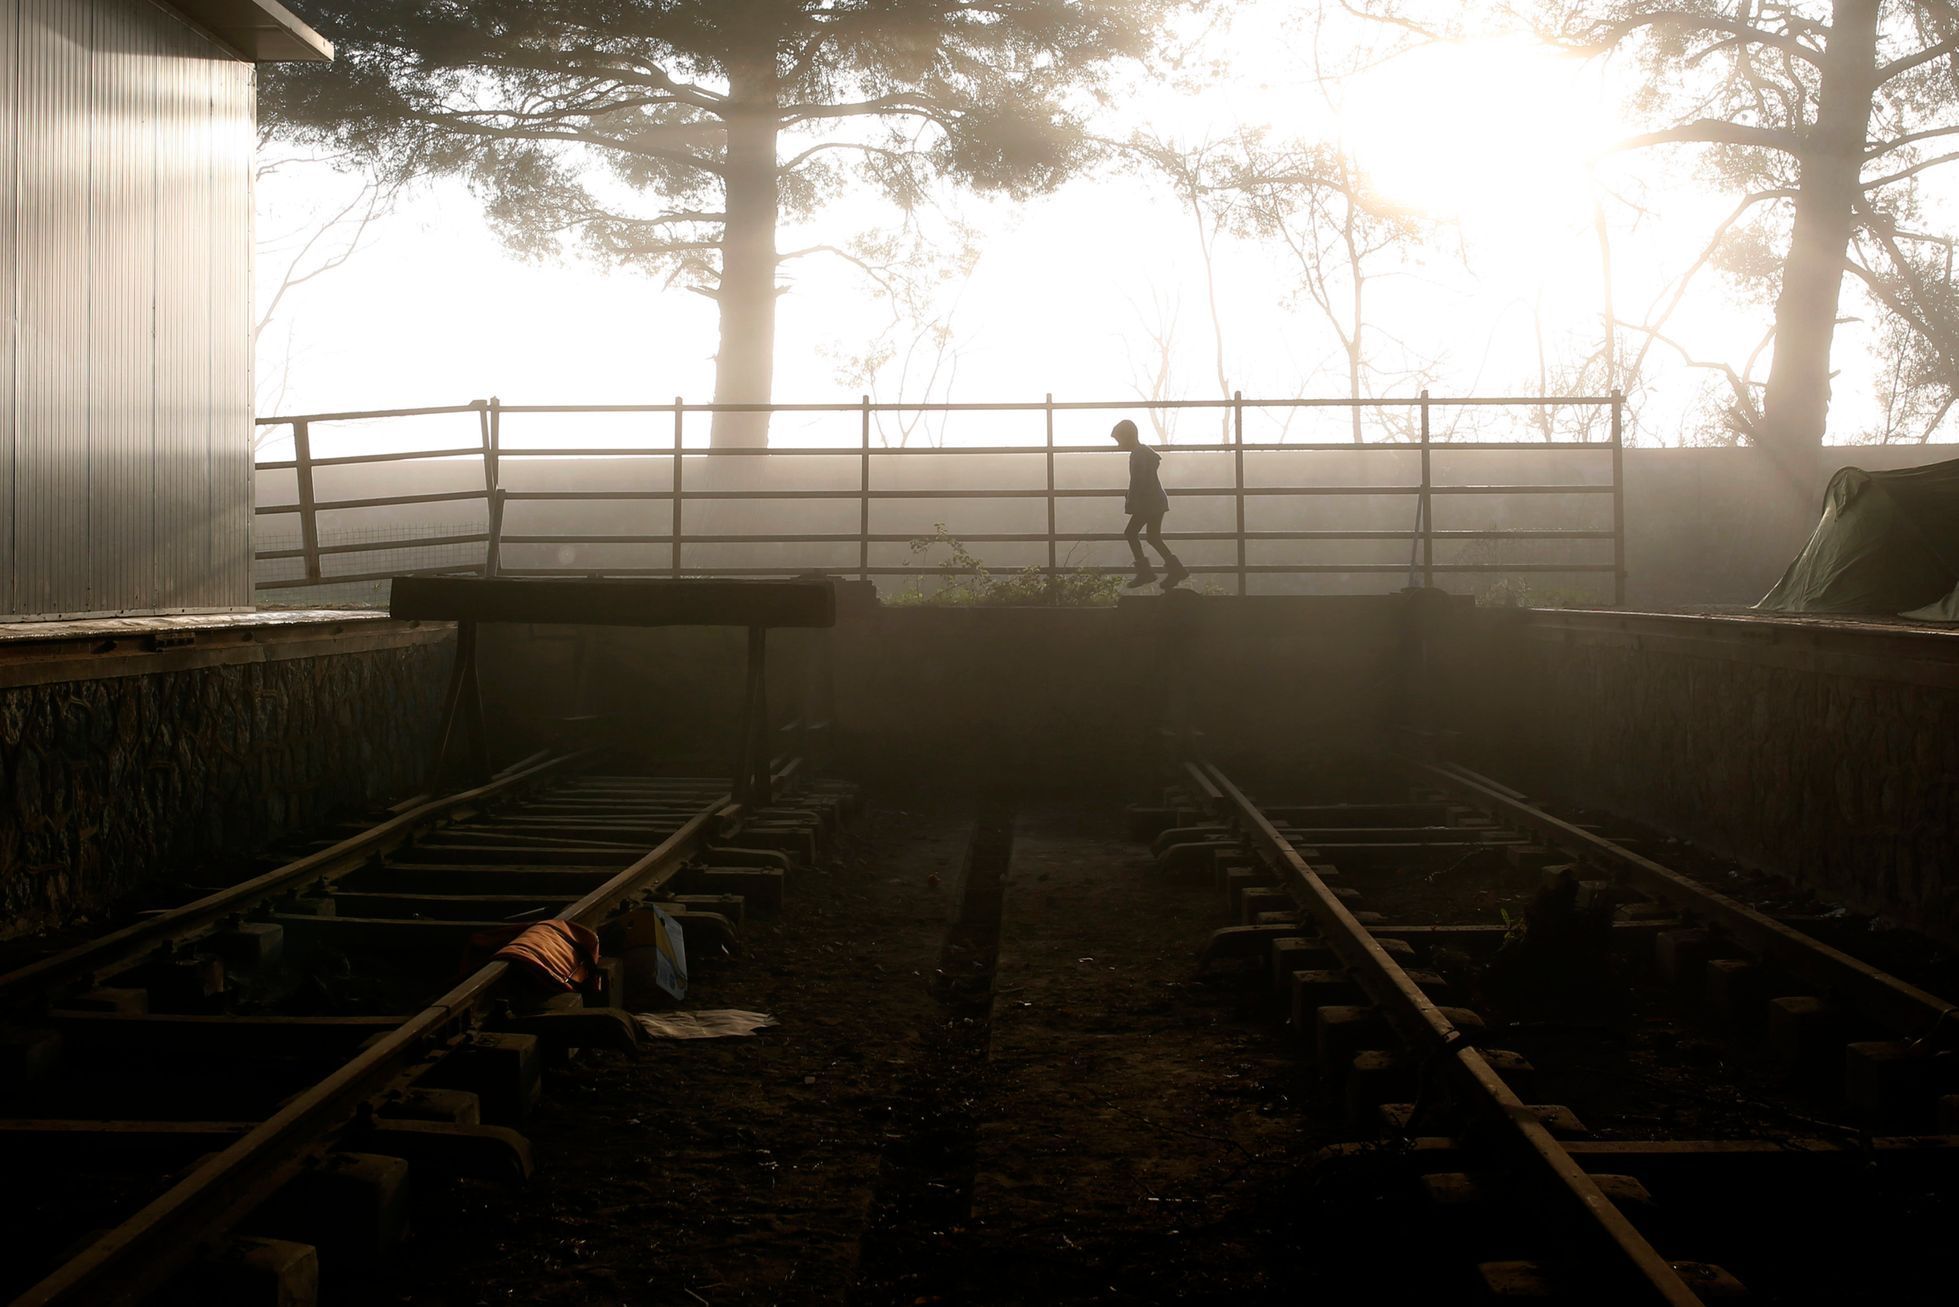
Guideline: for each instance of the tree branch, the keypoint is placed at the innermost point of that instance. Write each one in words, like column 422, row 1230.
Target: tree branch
column 912, row 105
column 465, row 127
column 799, row 160
column 1713, row 131
column 378, row 199
column 1612, row 34
column 1911, row 61
column 1910, row 138
column 1707, row 254
column 1902, row 174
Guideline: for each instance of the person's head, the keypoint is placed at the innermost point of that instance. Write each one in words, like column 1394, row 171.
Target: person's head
column 1124, row 433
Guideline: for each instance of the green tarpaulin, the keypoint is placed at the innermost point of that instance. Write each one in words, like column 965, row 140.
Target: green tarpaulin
column 1888, row 542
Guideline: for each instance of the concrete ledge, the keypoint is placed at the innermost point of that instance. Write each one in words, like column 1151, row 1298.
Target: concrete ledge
column 96, row 649
column 1879, row 648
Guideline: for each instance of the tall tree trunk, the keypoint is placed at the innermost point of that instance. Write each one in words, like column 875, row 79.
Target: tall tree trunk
column 1795, row 406
column 744, row 367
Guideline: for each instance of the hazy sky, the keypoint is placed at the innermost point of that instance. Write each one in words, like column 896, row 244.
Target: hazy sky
column 1490, row 139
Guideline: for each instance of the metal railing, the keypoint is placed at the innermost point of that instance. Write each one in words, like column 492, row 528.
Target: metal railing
column 491, row 450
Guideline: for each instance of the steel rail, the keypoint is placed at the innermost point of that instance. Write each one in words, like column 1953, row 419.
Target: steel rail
column 1634, row 1263
column 87, row 963
column 156, row 1242
column 1903, row 1008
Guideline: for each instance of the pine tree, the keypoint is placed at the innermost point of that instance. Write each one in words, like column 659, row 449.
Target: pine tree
column 679, row 135
column 1824, row 116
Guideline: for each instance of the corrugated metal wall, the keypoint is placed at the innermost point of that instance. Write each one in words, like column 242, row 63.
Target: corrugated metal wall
column 125, row 367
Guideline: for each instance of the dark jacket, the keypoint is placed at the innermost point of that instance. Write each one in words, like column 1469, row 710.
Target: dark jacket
column 1145, row 497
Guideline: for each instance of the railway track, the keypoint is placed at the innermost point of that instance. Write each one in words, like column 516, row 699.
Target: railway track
column 236, row 1087
column 1814, row 1082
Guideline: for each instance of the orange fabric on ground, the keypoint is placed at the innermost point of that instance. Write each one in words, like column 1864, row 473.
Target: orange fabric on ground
column 558, row 952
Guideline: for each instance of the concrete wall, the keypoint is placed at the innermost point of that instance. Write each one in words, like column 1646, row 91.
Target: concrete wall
column 1066, row 697
column 110, row 782
column 1823, row 751
column 126, row 143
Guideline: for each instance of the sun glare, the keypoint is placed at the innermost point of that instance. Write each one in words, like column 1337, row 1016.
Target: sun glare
column 1488, row 129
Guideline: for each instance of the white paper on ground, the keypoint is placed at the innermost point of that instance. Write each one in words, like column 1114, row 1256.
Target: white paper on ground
column 722, row 1023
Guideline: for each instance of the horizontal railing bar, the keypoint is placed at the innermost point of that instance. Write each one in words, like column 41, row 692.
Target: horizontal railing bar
column 512, row 496
column 300, row 582
column 986, row 538
column 388, row 501
column 1007, row 406
column 922, row 573
column 362, row 415
column 949, row 451
column 1073, row 405
column 1023, row 451
column 377, row 546
column 358, row 460
column 1115, row 492
column 398, row 456
column 1588, row 489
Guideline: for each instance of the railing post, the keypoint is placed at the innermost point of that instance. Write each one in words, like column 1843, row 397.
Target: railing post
column 309, row 522
column 490, row 421
column 864, row 502
column 679, row 478
column 1427, row 506
column 1618, row 499
column 493, row 551
column 1054, row 557
column 751, row 779
column 1238, row 465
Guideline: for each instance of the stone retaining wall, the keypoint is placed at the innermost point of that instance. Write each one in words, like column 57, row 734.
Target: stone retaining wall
column 106, row 784
column 1826, row 753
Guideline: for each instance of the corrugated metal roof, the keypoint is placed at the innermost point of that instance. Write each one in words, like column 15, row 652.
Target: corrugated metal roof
column 264, row 31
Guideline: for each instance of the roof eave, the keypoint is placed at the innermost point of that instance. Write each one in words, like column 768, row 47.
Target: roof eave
column 263, row 31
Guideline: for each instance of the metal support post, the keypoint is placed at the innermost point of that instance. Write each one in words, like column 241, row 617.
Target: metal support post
column 679, row 479
column 309, row 521
column 1618, row 499
column 1426, row 510
column 1054, row 559
column 1238, row 476
column 864, row 503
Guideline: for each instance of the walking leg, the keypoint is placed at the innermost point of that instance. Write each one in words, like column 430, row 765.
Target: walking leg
column 1173, row 568
column 1133, row 535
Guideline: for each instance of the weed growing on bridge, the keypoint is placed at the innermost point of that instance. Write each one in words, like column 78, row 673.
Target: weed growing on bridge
column 966, row 582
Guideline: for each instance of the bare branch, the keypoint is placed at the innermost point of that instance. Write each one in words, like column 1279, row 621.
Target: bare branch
column 1712, row 131
column 1923, row 165
column 373, row 200
column 1734, row 29
column 1911, row 61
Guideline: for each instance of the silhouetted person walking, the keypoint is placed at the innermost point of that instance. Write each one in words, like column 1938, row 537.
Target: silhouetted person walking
column 1146, row 504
